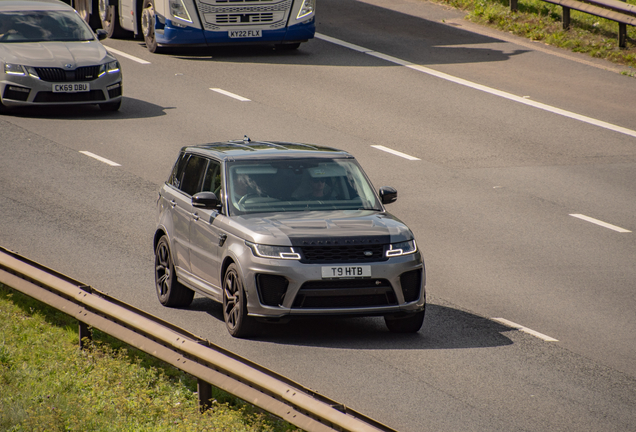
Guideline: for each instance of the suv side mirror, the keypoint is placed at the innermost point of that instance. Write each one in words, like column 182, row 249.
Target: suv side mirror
column 206, row 201
column 101, row 34
column 388, row 194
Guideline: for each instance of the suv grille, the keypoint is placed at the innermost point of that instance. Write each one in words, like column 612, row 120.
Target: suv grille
column 86, row 73
column 346, row 293
column 342, row 254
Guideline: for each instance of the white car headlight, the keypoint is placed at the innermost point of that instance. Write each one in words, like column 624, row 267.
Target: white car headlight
column 306, row 9
column 276, row 252
column 110, row 67
column 178, row 10
column 14, row 69
column 402, row 248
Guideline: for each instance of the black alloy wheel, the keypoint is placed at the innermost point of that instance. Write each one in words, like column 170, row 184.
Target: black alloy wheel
column 235, row 305
column 169, row 291
column 410, row 323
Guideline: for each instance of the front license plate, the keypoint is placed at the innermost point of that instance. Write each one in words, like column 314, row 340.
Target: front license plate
column 71, row 87
column 245, row 34
column 330, row 272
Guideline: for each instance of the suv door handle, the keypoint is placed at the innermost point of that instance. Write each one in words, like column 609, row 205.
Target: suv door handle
column 173, row 203
column 195, row 216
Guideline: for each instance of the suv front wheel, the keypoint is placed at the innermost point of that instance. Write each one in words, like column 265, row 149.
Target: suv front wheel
column 410, row 323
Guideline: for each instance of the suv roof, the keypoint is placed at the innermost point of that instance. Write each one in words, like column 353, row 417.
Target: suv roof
column 248, row 149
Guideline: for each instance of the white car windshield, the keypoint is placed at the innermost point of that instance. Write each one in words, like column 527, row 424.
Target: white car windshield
column 43, row 26
column 299, row 185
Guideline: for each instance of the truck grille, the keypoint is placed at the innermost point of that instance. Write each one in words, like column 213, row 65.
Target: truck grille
column 345, row 293
column 86, row 73
column 220, row 14
column 247, row 18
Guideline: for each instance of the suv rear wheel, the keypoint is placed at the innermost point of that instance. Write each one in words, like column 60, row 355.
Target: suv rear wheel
column 169, row 291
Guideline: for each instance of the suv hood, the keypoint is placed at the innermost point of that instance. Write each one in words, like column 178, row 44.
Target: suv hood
column 290, row 229
column 55, row 54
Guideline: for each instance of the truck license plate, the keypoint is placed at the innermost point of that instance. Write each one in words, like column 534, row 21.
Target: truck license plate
column 234, row 34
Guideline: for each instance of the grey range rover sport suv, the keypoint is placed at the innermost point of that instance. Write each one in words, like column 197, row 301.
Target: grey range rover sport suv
column 276, row 230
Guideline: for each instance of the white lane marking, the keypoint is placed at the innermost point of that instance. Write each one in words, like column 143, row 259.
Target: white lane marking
column 128, row 56
column 525, row 329
column 232, row 95
column 99, row 158
column 601, row 223
column 480, row 87
column 395, row 152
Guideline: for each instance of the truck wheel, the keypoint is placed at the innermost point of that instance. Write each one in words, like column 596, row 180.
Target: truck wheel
column 148, row 26
column 109, row 16
column 83, row 8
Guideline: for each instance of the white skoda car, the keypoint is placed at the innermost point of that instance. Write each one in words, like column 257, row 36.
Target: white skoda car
column 50, row 56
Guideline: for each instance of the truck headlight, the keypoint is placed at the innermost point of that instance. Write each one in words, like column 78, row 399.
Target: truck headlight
column 402, row 248
column 306, row 9
column 276, row 252
column 178, row 10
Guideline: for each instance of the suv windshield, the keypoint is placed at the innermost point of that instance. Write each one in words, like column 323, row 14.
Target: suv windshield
column 297, row 185
column 43, row 26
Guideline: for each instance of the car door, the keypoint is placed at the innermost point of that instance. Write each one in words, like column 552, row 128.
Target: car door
column 181, row 201
column 206, row 238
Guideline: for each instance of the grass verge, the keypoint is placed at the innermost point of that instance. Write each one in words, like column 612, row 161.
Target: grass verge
column 541, row 21
column 48, row 384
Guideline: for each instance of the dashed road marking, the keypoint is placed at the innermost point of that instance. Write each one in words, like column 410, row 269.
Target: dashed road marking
column 99, row 158
column 525, row 329
column 395, row 152
column 232, row 95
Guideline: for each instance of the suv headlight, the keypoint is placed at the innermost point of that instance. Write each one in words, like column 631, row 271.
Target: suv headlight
column 402, row 248
column 306, row 9
column 276, row 252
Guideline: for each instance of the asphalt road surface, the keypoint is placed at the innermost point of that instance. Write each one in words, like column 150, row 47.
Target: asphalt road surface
column 516, row 172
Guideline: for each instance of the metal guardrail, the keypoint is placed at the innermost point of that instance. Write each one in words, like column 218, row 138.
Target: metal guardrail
column 209, row 363
column 614, row 10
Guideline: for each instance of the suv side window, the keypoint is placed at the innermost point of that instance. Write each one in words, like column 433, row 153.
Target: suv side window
column 193, row 174
column 177, row 170
column 212, row 180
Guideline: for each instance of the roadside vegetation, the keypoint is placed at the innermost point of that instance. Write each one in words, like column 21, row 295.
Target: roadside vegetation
column 541, row 21
column 48, row 384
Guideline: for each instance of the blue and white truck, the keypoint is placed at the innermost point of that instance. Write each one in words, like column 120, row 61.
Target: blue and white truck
column 191, row 23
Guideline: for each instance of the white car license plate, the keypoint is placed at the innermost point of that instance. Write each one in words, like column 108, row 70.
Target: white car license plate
column 330, row 272
column 235, row 34
column 71, row 87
